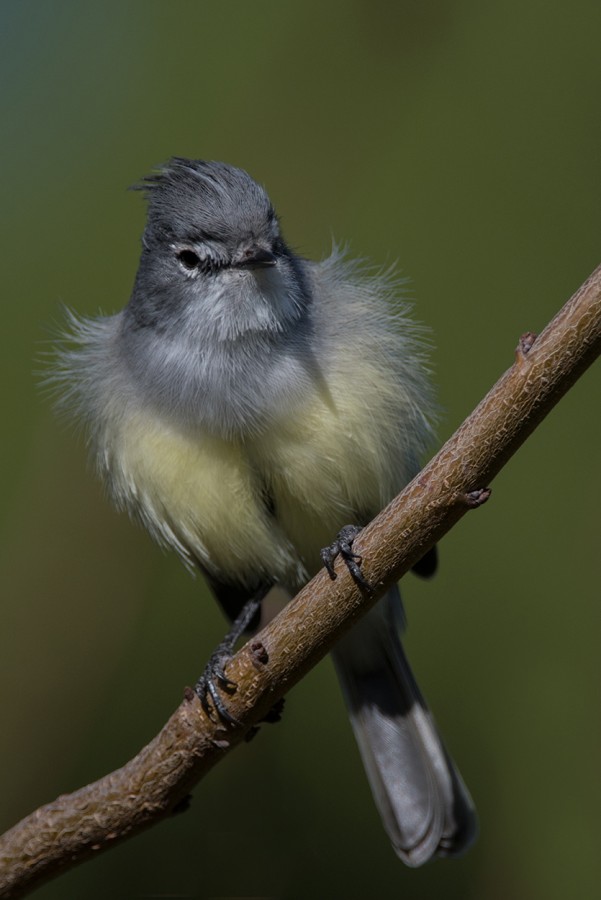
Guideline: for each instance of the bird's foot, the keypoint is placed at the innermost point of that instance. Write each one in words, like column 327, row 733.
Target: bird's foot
column 343, row 547
column 214, row 678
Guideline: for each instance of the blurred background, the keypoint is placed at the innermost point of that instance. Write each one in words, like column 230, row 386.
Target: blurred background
column 461, row 139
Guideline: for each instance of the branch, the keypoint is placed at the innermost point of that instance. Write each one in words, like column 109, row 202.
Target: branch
column 156, row 782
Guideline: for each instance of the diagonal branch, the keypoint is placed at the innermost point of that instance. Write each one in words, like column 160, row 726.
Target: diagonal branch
column 153, row 784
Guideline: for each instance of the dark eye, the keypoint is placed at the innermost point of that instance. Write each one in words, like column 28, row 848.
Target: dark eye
column 189, row 259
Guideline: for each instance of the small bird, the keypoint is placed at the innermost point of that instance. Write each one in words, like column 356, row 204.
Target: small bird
column 245, row 406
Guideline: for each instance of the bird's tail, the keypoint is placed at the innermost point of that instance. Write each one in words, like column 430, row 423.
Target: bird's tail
column 425, row 806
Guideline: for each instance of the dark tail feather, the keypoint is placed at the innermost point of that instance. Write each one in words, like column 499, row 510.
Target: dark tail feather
column 424, row 804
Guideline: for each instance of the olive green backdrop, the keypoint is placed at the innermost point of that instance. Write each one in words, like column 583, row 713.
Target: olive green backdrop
column 461, row 138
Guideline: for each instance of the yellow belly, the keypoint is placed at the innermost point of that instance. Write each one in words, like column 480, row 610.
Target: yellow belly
column 323, row 465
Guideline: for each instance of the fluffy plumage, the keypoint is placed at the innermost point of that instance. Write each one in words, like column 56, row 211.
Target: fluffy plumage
column 246, row 405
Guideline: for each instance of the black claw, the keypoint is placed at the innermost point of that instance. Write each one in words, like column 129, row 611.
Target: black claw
column 182, row 805
column 207, row 688
column 427, row 565
column 343, row 547
column 275, row 713
column 214, row 677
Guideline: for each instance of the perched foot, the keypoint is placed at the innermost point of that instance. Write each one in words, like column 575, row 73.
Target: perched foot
column 214, row 677
column 343, row 547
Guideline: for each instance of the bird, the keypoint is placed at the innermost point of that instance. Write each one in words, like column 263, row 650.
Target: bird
column 248, row 407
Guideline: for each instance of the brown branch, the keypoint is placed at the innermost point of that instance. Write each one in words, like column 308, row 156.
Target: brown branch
column 151, row 785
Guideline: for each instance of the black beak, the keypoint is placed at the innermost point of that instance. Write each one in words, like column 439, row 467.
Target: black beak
column 257, row 258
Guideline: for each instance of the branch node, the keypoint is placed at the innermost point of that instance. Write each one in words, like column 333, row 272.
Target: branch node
column 474, row 499
column 259, row 654
column 525, row 345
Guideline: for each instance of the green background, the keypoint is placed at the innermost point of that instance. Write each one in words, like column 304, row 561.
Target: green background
column 461, row 138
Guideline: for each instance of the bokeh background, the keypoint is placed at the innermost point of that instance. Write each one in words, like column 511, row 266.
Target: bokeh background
column 461, row 138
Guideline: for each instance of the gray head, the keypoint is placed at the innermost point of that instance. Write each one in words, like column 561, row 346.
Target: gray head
column 209, row 203
column 220, row 307
column 212, row 248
